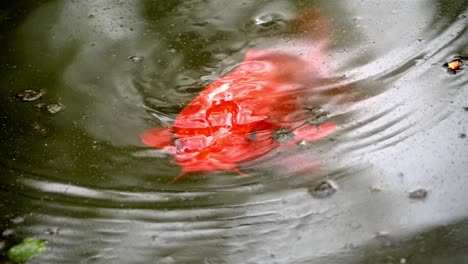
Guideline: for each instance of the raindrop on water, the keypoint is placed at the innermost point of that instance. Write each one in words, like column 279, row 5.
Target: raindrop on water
column 323, row 189
column 418, row 194
column 135, row 59
column 268, row 20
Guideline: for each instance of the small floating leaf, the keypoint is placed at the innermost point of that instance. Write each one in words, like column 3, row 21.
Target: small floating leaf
column 26, row 250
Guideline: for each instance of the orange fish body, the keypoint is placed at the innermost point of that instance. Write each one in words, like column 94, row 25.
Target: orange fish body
column 234, row 119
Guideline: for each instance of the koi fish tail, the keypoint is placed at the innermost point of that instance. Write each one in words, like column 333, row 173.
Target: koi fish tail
column 158, row 138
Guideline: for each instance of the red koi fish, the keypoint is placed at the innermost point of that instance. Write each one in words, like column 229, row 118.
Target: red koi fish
column 246, row 114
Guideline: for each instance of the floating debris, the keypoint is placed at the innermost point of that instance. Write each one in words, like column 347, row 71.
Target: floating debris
column 17, row 220
column 39, row 105
column 455, row 65
column 268, row 20
column 52, row 231
column 462, row 135
column 375, row 188
column 323, row 189
column 54, row 108
column 26, row 250
column 29, row 95
column 8, row 232
column 418, row 194
column 135, row 59
column 282, row 135
column 302, row 144
column 382, row 233
column 317, row 115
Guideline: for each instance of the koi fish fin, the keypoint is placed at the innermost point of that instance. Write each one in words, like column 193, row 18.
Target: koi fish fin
column 314, row 132
column 158, row 138
column 236, row 170
column 178, row 177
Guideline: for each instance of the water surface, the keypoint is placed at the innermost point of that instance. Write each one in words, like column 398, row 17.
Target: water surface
column 82, row 180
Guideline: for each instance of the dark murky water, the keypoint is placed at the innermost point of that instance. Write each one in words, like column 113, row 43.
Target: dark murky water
column 389, row 186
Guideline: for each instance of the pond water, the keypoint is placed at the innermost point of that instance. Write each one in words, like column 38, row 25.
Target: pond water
column 388, row 186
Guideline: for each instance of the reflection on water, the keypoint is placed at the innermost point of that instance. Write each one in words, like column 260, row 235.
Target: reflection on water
column 81, row 179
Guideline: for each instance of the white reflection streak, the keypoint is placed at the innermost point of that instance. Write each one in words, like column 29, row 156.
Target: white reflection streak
column 68, row 189
column 121, row 196
column 77, row 191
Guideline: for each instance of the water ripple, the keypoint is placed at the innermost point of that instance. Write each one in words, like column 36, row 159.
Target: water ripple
column 83, row 181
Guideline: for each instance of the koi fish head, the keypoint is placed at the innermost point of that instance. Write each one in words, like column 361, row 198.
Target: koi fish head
column 212, row 133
